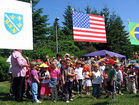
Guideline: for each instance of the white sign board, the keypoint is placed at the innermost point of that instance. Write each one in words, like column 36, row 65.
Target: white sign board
column 15, row 25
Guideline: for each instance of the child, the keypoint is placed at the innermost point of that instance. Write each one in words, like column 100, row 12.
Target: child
column 67, row 80
column 34, row 81
column 102, row 68
column 79, row 77
column 96, row 80
column 87, row 81
column 54, row 74
column 28, row 92
column 125, row 76
column 131, row 80
column 44, row 76
column 109, row 77
column 119, row 78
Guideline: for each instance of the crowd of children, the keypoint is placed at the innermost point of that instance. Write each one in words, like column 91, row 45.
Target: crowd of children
column 59, row 77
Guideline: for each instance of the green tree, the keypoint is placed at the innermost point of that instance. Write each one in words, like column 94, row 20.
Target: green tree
column 3, row 69
column 88, row 10
column 39, row 25
column 95, row 12
column 68, row 25
column 68, row 17
column 117, row 37
column 5, row 52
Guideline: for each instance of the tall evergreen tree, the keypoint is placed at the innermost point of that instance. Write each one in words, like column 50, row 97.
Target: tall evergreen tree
column 68, row 25
column 68, row 17
column 88, row 10
column 39, row 25
column 117, row 37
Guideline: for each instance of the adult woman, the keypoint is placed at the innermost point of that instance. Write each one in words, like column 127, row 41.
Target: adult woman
column 19, row 69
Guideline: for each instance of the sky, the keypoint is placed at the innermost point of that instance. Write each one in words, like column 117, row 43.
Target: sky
column 128, row 10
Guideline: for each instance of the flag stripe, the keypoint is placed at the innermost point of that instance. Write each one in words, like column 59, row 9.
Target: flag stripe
column 92, row 36
column 89, row 40
column 87, row 29
column 97, row 28
column 96, row 16
column 86, row 33
column 96, row 20
column 136, row 32
column 96, row 24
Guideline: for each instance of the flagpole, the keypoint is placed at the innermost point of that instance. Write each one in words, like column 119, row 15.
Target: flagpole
column 31, row 3
column 31, row 18
column 105, row 25
column 128, row 21
column 56, row 19
column 73, row 10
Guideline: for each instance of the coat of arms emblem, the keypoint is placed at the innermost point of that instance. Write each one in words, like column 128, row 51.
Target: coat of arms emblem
column 13, row 22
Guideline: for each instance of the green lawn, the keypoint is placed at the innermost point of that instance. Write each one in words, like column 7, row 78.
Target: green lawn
column 126, row 99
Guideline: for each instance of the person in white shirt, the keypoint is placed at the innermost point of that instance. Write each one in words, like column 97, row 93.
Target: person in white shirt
column 119, row 78
column 102, row 68
column 10, row 73
column 96, row 81
column 9, row 62
column 79, row 77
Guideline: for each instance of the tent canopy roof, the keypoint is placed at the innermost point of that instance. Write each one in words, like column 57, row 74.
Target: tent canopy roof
column 103, row 53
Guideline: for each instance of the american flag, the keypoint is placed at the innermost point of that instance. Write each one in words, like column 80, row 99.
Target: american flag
column 89, row 28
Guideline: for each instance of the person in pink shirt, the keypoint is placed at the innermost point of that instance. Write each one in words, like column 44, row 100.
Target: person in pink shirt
column 54, row 76
column 19, row 68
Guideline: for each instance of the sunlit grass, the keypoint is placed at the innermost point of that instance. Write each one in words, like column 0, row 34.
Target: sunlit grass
column 126, row 99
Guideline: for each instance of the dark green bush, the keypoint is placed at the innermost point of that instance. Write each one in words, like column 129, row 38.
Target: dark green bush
column 4, row 67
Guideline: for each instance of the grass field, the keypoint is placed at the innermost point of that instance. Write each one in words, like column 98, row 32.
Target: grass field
column 126, row 99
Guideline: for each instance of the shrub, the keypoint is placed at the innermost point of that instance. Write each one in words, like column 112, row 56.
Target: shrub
column 4, row 67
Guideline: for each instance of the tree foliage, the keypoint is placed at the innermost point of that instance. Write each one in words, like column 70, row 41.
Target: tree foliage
column 39, row 25
column 117, row 37
column 67, row 29
column 4, row 67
